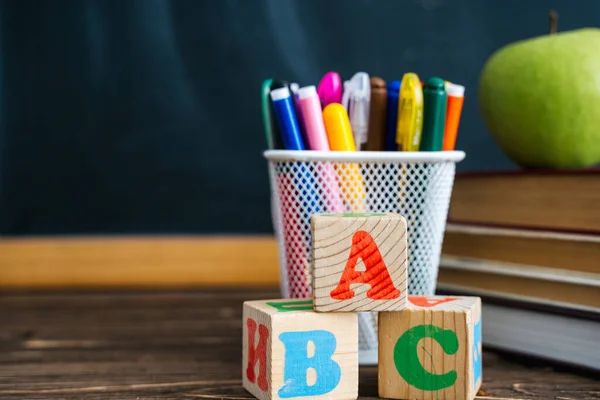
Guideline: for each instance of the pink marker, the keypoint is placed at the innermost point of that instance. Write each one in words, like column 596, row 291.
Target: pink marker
column 330, row 89
column 312, row 117
column 316, row 136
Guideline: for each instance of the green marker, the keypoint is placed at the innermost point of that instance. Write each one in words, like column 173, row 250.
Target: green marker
column 272, row 133
column 267, row 114
column 434, row 120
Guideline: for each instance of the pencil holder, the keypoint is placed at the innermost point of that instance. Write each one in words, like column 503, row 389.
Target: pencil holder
column 417, row 185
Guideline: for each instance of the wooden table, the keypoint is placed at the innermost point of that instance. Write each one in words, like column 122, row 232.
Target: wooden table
column 183, row 345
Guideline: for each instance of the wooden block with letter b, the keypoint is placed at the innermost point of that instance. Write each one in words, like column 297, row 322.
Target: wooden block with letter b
column 359, row 262
column 291, row 351
column 431, row 350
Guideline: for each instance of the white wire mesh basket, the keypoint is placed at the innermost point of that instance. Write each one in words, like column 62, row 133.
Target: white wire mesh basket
column 417, row 185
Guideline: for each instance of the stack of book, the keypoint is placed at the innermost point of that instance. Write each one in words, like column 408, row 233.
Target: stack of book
column 528, row 243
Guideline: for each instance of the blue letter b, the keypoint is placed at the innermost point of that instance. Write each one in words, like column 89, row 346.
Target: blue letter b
column 297, row 362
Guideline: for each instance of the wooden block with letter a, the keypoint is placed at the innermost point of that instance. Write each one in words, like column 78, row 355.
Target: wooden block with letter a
column 291, row 351
column 359, row 262
column 431, row 350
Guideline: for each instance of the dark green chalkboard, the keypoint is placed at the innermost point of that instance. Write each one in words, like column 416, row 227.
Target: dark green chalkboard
column 142, row 116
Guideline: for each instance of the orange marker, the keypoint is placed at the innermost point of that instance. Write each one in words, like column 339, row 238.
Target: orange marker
column 456, row 96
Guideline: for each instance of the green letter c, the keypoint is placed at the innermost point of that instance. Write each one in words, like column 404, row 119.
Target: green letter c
column 407, row 362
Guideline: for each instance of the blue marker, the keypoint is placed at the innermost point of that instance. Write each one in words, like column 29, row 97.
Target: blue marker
column 285, row 115
column 304, row 180
column 393, row 91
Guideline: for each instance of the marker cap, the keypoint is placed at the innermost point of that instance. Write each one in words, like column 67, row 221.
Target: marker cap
column 294, row 87
column 435, row 83
column 279, row 83
column 434, row 120
column 455, row 90
column 356, row 100
column 410, row 112
column 377, row 83
column 307, row 91
column 280, row 93
column 393, row 87
column 330, row 88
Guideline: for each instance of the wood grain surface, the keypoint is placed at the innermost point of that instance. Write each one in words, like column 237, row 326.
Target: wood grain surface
column 185, row 345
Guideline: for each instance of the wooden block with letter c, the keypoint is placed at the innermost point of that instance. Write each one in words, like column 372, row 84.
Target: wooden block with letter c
column 431, row 350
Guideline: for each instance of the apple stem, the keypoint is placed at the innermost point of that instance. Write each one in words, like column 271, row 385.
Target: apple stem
column 553, row 17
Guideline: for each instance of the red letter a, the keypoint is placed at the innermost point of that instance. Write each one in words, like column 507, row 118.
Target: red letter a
column 258, row 353
column 376, row 274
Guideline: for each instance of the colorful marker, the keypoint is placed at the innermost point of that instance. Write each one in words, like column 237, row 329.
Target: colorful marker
column 270, row 124
column 309, row 106
column 286, row 119
column 340, row 137
column 393, row 92
column 312, row 117
column 294, row 87
column 330, row 89
column 377, row 113
column 434, row 120
column 410, row 113
column 293, row 187
column 356, row 100
column 337, row 125
column 456, row 97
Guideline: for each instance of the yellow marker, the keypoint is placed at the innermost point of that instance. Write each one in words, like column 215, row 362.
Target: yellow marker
column 339, row 134
column 410, row 113
column 337, row 125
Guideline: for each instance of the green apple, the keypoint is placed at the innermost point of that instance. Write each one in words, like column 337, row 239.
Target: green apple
column 540, row 98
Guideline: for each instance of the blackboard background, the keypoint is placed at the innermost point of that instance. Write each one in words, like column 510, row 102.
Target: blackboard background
column 143, row 116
